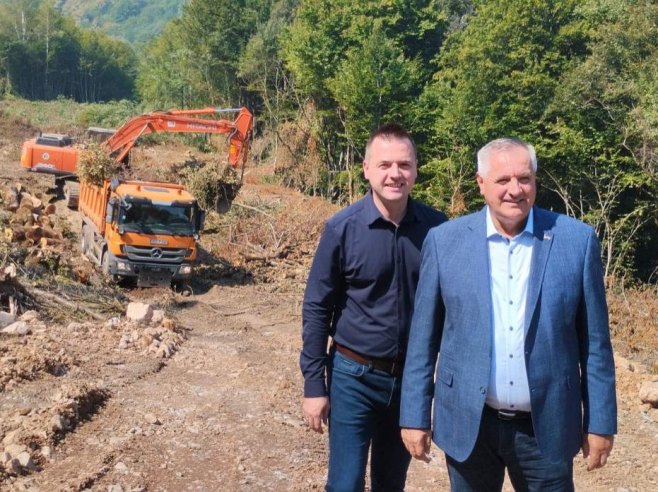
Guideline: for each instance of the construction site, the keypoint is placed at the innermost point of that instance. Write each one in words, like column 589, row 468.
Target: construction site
column 116, row 377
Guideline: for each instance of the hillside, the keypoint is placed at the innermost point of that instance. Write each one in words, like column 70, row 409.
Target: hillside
column 136, row 21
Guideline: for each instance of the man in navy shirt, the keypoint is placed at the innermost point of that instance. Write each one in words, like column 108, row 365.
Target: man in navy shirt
column 360, row 292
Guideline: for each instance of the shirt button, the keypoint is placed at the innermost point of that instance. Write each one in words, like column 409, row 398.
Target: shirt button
column 511, row 328
column 511, row 406
column 511, row 276
column 511, row 383
column 483, row 390
column 511, row 356
column 511, row 302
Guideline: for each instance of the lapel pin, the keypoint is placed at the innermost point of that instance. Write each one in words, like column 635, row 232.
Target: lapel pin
column 547, row 236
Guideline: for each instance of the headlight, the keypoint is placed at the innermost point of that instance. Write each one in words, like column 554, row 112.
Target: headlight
column 185, row 269
column 123, row 266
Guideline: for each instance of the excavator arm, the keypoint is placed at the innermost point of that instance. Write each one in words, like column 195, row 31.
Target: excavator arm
column 186, row 121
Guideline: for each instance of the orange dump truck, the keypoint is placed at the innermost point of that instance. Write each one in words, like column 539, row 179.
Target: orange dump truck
column 146, row 231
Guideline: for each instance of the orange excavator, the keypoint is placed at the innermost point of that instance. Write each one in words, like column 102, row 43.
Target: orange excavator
column 56, row 154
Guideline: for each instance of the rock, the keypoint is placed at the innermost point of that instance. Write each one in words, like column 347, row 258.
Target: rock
column 114, row 488
column 649, row 393
column 126, row 341
column 13, row 466
column 75, row 326
column 15, row 449
column 152, row 419
column 58, row 423
column 164, row 351
column 5, row 457
column 6, row 319
column 23, row 411
column 140, row 312
column 17, row 328
column 11, row 437
column 29, row 316
column 158, row 316
column 46, row 452
column 113, row 322
column 25, row 460
column 121, row 467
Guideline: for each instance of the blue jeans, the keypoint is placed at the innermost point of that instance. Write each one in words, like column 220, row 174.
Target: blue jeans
column 365, row 412
column 508, row 444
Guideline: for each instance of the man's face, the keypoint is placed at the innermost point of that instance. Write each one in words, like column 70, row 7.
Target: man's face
column 509, row 187
column 390, row 169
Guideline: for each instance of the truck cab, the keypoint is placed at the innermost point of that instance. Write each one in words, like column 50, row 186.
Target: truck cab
column 146, row 231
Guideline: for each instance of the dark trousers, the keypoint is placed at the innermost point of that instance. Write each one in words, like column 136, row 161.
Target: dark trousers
column 511, row 445
column 364, row 414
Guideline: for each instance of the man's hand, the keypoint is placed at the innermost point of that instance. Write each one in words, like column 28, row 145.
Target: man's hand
column 417, row 442
column 316, row 412
column 597, row 448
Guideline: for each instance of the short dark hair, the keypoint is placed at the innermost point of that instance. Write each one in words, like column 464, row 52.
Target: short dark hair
column 390, row 131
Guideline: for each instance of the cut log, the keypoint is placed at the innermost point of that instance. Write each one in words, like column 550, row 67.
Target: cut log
column 12, row 199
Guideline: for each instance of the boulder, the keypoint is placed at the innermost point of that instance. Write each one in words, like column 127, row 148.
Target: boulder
column 139, row 312
column 649, row 393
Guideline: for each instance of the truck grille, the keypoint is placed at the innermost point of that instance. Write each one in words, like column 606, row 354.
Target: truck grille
column 155, row 255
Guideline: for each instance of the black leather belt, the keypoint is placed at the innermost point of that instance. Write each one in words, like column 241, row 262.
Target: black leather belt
column 392, row 366
column 508, row 414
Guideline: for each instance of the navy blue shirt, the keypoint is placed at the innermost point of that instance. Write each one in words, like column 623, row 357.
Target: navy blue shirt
column 362, row 284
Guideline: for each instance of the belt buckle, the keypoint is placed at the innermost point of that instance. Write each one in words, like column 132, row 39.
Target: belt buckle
column 505, row 414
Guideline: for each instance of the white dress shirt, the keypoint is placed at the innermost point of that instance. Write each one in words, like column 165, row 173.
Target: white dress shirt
column 509, row 269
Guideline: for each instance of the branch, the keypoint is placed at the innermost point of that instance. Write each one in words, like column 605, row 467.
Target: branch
column 71, row 305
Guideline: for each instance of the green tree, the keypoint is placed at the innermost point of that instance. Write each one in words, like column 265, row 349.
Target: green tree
column 360, row 63
column 46, row 55
column 494, row 78
column 373, row 84
column 600, row 137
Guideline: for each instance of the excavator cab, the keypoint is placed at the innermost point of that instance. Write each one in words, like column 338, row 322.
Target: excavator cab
column 54, row 140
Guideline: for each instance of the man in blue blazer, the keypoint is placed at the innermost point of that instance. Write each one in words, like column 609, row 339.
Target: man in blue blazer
column 511, row 300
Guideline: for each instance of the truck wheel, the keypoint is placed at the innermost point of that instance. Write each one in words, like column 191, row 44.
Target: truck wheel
column 72, row 194
column 105, row 263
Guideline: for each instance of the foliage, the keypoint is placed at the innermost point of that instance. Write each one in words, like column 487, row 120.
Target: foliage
column 44, row 55
column 364, row 62
column 66, row 116
column 95, row 164
column 214, row 187
column 196, row 59
column 578, row 79
column 600, row 140
column 135, row 21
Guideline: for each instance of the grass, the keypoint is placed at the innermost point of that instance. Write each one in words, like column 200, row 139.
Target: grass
column 64, row 115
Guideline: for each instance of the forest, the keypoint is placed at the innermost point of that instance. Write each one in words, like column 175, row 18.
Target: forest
column 576, row 78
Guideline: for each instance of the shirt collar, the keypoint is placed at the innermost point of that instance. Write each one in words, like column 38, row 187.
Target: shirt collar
column 372, row 213
column 492, row 231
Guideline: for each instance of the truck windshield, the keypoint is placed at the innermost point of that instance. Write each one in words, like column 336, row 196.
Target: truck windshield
column 151, row 218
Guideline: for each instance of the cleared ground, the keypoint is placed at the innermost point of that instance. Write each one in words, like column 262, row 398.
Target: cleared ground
column 223, row 412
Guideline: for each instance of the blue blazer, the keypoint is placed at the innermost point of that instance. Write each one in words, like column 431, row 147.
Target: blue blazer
column 568, row 354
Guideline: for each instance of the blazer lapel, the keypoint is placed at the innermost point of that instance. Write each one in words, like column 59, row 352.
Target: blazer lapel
column 481, row 275
column 543, row 240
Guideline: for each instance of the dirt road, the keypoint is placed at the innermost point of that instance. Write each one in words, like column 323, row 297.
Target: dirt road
column 223, row 414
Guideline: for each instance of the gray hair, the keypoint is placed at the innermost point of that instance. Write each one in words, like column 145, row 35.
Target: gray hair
column 501, row 144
